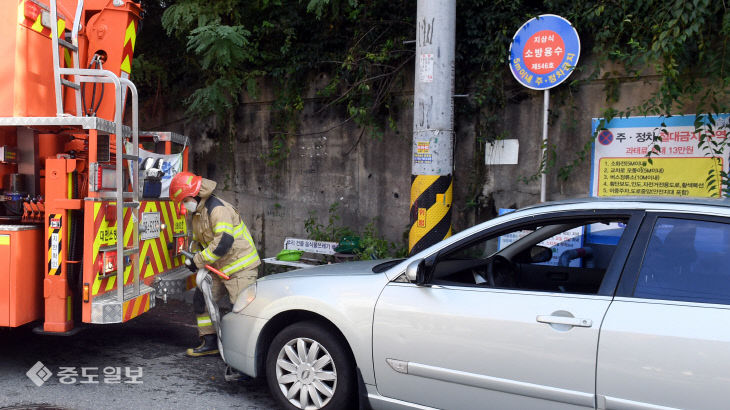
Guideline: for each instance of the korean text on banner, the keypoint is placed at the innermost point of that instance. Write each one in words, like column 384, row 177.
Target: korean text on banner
column 679, row 167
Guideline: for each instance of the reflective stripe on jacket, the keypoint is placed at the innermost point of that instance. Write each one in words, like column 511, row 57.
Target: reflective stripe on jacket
column 227, row 244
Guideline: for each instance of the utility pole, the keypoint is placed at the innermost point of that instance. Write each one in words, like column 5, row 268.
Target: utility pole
column 432, row 161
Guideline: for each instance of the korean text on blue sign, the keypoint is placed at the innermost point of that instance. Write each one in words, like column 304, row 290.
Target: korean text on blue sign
column 544, row 52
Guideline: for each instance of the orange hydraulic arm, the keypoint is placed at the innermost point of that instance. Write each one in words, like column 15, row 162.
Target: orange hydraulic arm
column 107, row 40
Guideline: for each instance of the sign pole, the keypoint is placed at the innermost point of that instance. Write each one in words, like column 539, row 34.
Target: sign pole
column 543, row 54
column 545, row 113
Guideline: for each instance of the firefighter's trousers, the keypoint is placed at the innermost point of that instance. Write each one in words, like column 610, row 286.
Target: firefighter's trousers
column 219, row 288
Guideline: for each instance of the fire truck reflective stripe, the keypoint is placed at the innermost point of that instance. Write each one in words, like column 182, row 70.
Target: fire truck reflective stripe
column 126, row 65
column 154, row 256
column 158, row 245
column 166, row 235
column 128, row 228
column 110, row 283
column 37, row 25
column 136, row 307
column 157, row 259
column 130, row 38
column 165, row 208
column 241, row 263
column 69, row 309
column 130, row 35
column 4, row 239
column 127, row 271
column 204, row 321
column 67, row 58
column 61, row 27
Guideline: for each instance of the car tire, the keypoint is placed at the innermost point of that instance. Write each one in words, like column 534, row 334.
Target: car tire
column 309, row 362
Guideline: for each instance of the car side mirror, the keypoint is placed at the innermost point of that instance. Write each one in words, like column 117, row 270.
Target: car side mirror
column 412, row 271
column 540, row 254
column 420, row 271
column 535, row 254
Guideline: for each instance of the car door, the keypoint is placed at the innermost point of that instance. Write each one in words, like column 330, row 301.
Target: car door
column 457, row 345
column 665, row 340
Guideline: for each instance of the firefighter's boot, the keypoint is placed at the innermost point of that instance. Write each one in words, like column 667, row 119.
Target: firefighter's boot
column 208, row 346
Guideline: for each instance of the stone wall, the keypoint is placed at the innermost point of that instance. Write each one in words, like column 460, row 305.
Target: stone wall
column 331, row 160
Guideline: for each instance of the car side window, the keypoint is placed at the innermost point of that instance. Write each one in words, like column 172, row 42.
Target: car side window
column 685, row 260
column 561, row 256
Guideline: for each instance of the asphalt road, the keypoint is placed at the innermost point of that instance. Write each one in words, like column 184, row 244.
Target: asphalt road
column 154, row 342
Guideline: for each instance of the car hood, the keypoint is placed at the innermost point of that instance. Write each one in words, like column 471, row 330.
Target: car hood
column 335, row 269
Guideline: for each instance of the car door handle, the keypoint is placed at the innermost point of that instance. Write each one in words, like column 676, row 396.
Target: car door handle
column 563, row 320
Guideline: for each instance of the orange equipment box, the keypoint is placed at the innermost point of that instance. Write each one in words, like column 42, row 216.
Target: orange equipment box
column 21, row 274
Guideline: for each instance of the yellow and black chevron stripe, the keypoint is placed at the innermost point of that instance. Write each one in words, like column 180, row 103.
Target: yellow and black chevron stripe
column 431, row 198
column 155, row 254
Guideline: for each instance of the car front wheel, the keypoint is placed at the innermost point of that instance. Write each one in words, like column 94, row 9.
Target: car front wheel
column 308, row 367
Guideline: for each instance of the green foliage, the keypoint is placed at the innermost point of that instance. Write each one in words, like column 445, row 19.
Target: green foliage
column 332, row 232
column 682, row 43
column 234, row 42
column 717, row 182
column 219, row 48
column 372, row 244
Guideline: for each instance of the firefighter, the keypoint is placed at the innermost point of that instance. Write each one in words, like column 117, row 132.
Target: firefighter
column 224, row 243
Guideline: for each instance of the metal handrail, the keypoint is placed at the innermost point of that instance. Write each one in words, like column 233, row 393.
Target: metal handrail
column 135, row 181
column 56, row 62
column 106, row 76
column 86, row 75
column 75, row 42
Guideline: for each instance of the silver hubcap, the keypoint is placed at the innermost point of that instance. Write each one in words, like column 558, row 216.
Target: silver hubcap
column 306, row 373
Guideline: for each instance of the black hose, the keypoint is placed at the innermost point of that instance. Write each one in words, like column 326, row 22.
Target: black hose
column 91, row 111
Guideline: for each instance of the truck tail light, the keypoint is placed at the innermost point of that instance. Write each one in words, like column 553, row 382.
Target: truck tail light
column 110, row 262
column 103, row 177
column 86, row 293
column 180, row 245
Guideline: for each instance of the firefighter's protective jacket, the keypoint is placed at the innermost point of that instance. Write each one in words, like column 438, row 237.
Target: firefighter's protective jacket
column 217, row 227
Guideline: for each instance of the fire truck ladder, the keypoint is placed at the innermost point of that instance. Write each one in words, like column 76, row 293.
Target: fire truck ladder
column 112, row 306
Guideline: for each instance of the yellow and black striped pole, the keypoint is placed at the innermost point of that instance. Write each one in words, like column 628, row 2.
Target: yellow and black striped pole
column 432, row 161
column 431, row 197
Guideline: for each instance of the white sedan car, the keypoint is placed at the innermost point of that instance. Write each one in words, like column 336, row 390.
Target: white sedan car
column 580, row 304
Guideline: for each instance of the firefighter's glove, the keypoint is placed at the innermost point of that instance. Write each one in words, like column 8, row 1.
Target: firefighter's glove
column 190, row 263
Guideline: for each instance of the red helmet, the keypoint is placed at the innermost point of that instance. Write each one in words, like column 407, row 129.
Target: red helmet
column 183, row 185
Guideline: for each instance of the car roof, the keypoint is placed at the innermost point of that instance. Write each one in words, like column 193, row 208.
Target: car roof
column 639, row 202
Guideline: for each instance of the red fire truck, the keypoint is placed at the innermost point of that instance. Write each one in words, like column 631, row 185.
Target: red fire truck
column 87, row 234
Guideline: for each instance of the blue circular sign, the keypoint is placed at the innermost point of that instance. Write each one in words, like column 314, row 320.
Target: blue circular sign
column 544, row 52
column 605, row 137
